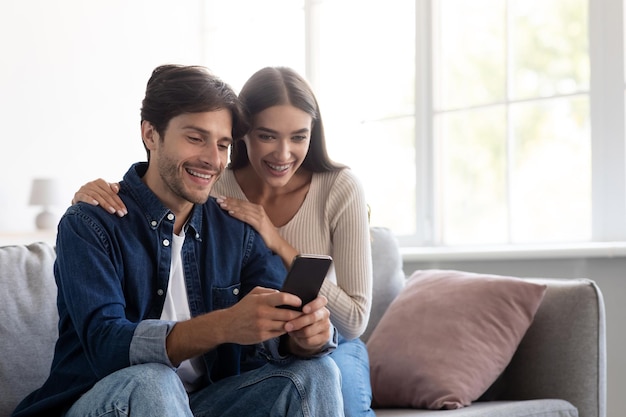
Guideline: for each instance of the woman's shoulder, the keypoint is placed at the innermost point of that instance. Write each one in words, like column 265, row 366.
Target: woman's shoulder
column 339, row 180
column 227, row 185
column 344, row 175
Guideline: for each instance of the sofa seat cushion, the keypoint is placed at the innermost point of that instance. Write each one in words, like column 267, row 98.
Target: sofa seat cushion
column 28, row 329
column 448, row 336
column 529, row 408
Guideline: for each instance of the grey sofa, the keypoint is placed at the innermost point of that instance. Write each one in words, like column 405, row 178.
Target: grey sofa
column 559, row 368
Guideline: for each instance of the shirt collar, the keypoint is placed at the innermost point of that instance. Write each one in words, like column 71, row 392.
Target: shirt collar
column 153, row 209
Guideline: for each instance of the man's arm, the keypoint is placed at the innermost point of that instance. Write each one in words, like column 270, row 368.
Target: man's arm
column 254, row 319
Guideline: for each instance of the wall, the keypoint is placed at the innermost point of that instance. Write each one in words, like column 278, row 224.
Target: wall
column 610, row 275
column 72, row 78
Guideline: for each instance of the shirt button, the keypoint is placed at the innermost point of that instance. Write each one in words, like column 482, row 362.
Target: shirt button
column 236, row 291
column 153, row 223
column 160, row 291
column 166, row 242
column 170, row 216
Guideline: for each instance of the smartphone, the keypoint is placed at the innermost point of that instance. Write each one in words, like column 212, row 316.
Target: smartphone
column 305, row 277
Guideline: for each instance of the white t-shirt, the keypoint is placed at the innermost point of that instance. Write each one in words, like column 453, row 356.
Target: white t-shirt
column 176, row 308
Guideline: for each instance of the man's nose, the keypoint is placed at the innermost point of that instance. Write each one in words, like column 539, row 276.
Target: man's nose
column 211, row 155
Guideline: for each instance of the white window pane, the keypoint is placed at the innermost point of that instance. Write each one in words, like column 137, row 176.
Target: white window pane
column 549, row 47
column 472, row 176
column 366, row 58
column 551, row 173
column 469, row 52
column 385, row 163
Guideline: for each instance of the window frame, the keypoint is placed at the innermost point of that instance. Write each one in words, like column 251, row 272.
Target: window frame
column 608, row 143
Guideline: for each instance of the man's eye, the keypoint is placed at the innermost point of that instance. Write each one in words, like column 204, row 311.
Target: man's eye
column 194, row 139
column 223, row 147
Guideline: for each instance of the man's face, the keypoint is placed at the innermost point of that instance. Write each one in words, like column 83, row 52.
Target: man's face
column 188, row 159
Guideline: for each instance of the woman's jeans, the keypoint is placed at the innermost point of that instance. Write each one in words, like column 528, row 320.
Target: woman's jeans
column 353, row 363
column 298, row 388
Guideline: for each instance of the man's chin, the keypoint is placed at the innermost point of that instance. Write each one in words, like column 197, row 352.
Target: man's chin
column 198, row 197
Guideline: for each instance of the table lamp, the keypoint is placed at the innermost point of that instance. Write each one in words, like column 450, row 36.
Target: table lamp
column 45, row 192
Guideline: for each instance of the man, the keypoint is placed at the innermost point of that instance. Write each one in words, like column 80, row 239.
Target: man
column 171, row 310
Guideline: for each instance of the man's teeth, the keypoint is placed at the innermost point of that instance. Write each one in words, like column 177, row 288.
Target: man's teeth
column 279, row 167
column 197, row 174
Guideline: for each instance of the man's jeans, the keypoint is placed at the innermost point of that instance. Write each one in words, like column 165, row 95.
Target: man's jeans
column 299, row 388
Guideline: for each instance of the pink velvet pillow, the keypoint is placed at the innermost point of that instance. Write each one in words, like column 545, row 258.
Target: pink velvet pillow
column 447, row 337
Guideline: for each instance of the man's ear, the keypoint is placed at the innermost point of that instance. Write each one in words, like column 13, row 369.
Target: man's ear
column 149, row 135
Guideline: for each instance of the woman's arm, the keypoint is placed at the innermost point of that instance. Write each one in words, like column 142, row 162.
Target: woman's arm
column 349, row 300
column 255, row 216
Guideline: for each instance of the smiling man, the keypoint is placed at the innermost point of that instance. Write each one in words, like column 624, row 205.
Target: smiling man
column 171, row 309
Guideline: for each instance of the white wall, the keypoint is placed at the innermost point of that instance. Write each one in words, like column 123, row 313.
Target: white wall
column 610, row 275
column 72, row 77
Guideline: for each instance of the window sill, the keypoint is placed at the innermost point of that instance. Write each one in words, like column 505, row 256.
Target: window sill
column 510, row 252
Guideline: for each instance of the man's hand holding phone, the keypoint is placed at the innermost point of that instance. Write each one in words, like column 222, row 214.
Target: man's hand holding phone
column 311, row 330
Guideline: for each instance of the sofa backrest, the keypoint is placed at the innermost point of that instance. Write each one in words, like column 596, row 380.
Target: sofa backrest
column 389, row 278
column 28, row 320
column 28, row 299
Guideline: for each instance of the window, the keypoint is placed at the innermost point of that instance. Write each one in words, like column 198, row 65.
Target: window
column 483, row 122
column 511, row 121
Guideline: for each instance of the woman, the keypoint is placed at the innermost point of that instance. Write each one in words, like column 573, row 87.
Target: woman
column 281, row 181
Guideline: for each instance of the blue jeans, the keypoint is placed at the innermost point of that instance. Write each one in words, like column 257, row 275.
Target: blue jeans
column 353, row 363
column 298, row 388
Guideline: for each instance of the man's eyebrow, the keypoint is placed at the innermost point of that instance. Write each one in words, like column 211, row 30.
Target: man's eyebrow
column 197, row 129
column 205, row 132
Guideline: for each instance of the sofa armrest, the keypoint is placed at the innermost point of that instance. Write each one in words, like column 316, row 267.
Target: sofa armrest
column 563, row 354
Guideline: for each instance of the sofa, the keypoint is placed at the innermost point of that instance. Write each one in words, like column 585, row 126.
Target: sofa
column 557, row 368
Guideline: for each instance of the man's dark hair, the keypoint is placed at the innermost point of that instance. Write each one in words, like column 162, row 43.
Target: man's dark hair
column 173, row 90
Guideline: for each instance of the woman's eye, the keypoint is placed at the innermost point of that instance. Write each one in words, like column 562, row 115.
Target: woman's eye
column 299, row 138
column 265, row 137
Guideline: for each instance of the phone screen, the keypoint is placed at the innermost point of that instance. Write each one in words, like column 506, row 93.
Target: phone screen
column 306, row 276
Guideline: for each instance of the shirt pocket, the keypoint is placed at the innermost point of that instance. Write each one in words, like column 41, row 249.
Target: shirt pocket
column 224, row 297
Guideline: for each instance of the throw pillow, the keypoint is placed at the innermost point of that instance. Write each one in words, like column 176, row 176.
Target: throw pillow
column 448, row 336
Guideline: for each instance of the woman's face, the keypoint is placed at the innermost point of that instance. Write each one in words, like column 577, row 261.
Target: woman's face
column 278, row 142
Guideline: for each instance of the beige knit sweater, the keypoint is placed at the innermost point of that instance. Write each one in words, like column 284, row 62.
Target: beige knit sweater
column 332, row 221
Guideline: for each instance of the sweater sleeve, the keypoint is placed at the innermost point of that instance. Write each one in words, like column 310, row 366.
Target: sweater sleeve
column 350, row 298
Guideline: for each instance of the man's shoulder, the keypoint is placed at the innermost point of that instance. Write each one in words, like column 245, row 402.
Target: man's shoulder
column 215, row 216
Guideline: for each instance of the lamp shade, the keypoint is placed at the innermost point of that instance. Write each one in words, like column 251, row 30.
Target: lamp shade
column 45, row 192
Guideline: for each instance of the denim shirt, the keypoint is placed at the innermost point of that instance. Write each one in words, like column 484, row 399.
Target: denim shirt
column 112, row 275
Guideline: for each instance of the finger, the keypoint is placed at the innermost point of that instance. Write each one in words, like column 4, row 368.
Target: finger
column 263, row 290
column 287, row 299
column 317, row 304
column 313, row 336
column 106, row 195
column 110, row 202
column 316, row 317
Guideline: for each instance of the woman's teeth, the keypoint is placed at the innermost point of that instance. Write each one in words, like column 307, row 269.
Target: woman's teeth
column 278, row 167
